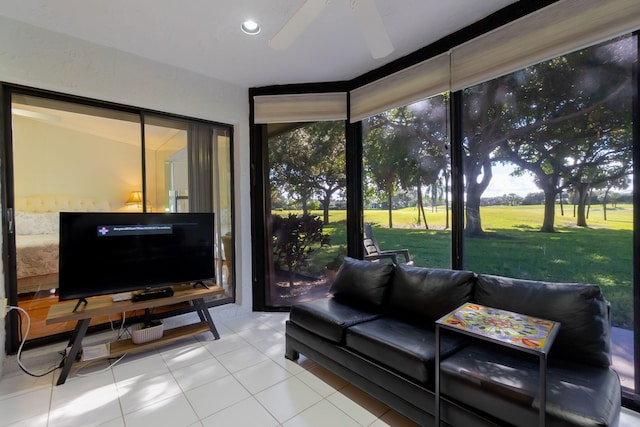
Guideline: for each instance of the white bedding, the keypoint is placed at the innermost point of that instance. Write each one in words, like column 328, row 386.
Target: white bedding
column 36, row 254
column 37, row 226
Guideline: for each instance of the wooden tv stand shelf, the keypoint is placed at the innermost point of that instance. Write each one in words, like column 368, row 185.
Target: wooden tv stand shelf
column 101, row 306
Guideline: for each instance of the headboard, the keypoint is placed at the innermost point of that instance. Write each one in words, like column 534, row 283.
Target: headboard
column 60, row 203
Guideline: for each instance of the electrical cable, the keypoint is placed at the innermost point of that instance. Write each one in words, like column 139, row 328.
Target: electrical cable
column 111, row 365
column 24, row 339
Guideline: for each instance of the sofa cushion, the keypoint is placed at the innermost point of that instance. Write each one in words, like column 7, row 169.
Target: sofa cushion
column 401, row 346
column 505, row 383
column 582, row 311
column 328, row 317
column 426, row 294
column 362, row 282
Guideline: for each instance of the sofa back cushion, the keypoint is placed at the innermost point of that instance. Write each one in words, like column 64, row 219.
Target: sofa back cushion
column 426, row 294
column 362, row 282
column 583, row 313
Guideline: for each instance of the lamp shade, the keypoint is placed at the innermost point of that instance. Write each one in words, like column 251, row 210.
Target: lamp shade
column 135, row 198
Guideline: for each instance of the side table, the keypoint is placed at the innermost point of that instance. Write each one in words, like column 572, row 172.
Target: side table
column 505, row 328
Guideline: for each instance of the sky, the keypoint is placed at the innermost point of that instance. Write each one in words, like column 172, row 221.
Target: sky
column 502, row 183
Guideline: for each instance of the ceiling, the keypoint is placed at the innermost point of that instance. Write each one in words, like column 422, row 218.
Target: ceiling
column 204, row 36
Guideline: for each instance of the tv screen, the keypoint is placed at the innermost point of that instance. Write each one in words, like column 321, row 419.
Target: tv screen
column 107, row 253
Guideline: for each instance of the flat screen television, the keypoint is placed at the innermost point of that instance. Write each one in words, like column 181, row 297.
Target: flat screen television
column 107, row 253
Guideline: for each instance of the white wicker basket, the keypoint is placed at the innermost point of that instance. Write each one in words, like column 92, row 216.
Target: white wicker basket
column 143, row 335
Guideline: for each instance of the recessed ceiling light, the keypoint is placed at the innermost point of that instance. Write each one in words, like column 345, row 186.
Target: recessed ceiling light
column 250, row 27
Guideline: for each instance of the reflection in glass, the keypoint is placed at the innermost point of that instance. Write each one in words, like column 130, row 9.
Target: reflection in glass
column 66, row 157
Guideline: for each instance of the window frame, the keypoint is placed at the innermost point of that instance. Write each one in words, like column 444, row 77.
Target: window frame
column 7, row 196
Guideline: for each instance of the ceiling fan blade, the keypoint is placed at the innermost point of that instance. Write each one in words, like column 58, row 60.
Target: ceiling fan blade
column 298, row 22
column 372, row 27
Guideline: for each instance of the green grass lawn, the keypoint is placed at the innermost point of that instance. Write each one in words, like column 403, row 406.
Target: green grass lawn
column 601, row 254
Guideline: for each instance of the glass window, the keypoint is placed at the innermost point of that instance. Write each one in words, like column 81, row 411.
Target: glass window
column 68, row 156
column 307, row 223
column 188, row 169
column 406, row 182
column 548, row 177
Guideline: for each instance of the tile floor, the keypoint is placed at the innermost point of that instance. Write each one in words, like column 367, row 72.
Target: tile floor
column 242, row 379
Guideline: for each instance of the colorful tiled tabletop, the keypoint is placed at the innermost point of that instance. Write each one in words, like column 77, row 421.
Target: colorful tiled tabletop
column 502, row 326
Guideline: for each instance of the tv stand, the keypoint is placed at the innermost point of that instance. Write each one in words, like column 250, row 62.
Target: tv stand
column 80, row 301
column 104, row 306
column 201, row 283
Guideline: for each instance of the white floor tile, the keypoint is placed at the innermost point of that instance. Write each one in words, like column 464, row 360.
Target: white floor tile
column 247, row 413
column 190, row 353
column 140, row 366
column 137, row 393
column 116, row 422
column 90, row 400
column 251, row 321
column 226, row 344
column 199, row 374
column 288, row 398
column 359, row 405
column 216, row 396
column 261, row 376
column 174, row 411
column 25, row 406
column 322, row 381
column 31, row 422
column 241, row 358
column 14, row 385
column 321, row 415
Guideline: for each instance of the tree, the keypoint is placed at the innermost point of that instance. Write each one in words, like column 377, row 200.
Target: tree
column 483, row 131
column 407, row 149
column 294, row 238
column 309, row 161
column 568, row 125
column 543, row 119
column 382, row 161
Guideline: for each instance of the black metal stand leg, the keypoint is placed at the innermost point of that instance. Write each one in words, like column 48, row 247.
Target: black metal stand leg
column 437, row 372
column 543, row 390
column 76, row 342
column 201, row 306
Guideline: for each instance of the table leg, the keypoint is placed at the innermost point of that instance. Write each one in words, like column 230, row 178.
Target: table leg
column 437, row 372
column 543, row 389
column 202, row 309
column 76, row 343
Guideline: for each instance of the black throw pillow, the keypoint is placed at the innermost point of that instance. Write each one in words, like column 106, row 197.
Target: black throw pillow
column 362, row 282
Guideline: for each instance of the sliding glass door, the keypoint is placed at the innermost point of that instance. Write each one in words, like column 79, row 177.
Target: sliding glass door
column 307, row 213
column 69, row 155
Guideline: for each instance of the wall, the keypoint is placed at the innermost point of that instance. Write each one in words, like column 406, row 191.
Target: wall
column 42, row 59
column 51, row 160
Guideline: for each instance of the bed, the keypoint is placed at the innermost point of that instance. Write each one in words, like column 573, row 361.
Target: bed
column 37, row 222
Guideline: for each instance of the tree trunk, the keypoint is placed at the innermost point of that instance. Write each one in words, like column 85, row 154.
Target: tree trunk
column 420, row 211
column 474, row 223
column 325, row 210
column 390, row 207
column 424, row 215
column 604, row 202
column 583, row 192
column 446, row 199
column 474, row 194
column 561, row 204
column 549, row 211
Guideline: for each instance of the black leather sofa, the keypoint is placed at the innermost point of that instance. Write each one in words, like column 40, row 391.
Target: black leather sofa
column 377, row 330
